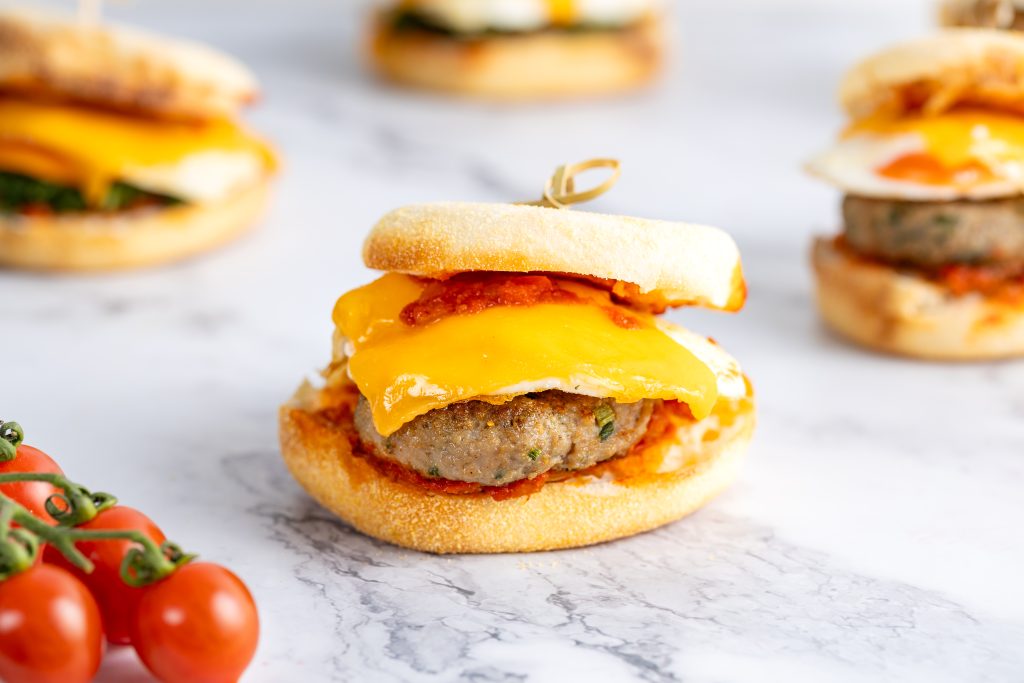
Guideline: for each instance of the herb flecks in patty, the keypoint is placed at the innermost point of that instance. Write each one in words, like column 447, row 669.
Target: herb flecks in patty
column 604, row 417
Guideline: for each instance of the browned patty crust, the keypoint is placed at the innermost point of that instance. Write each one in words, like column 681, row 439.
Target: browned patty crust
column 930, row 235
column 479, row 442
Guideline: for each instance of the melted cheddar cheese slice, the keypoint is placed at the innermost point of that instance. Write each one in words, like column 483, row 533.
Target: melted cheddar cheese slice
column 405, row 371
column 91, row 148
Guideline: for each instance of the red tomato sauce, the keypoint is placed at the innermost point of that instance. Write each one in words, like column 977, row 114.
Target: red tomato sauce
column 994, row 282
column 469, row 293
column 989, row 281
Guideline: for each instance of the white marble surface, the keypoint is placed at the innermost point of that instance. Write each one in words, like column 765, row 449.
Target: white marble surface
column 875, row 534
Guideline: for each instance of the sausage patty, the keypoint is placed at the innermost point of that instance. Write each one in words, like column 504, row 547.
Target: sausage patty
column 933, row 234
column 489, row 444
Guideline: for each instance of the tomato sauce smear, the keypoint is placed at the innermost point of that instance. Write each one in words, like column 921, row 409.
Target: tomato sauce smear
column 406, row 475
column 989, row 281
column 469, row 293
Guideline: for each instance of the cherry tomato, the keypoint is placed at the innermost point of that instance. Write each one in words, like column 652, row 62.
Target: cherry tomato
column 30, row 494
column 49, row 628
column 117, row 600
column 199, row 625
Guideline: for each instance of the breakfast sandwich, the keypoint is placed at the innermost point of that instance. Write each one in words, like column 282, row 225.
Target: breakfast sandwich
column 119, row 148
column 508, row 385
column 930, row 261
column 519, row 49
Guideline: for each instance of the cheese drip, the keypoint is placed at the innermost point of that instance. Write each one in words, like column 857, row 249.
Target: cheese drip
column 91, row 148
column 505, row 351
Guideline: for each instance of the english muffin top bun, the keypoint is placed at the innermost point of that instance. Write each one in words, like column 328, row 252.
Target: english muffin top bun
column 48, row 53
column 934, row 206
column 524, row 50
column 485, row 381
column 678, row 264
column 119, row 148
column 950, row 68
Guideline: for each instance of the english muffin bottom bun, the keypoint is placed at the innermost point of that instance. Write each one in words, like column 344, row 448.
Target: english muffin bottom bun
column 119, row 148
column 647, row 489
column 510, row 365
column 489, row 52
column 898, row 311
column 128, row 239
column 930, row 262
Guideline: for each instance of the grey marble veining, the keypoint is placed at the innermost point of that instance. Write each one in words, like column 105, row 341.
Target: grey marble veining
column 873, row 536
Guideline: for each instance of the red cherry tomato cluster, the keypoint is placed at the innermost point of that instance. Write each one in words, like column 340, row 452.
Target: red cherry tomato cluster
column 198, row 624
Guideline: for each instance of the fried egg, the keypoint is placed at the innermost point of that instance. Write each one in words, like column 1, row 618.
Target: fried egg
column 960, row 154
column 471, row 16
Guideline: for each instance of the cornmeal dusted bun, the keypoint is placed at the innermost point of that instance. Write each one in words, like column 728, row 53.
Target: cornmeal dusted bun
column 679, row 263
column 44, row 53
column 701, row 459
column 539, row 65
column 103, row 241
column 981, row 67
column 508, row 386
column 899, row 312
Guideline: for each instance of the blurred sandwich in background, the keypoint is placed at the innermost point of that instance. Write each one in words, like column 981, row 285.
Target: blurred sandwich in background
column 119, row 148
column 930, row 261
column 519, row 49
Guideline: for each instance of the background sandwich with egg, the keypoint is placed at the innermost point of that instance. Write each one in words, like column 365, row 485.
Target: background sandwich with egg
column 930, row 262
column 519, row 50
column 120, row 148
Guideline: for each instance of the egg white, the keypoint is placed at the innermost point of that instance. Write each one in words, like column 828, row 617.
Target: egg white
column 201, row 177
column 470, row 16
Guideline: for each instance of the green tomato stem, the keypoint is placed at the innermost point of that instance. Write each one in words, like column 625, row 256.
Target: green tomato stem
column 18, row 547
column 51, row 535
column 142, row 565
column 6, row 516
column 78, row 504
column 11, row 436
